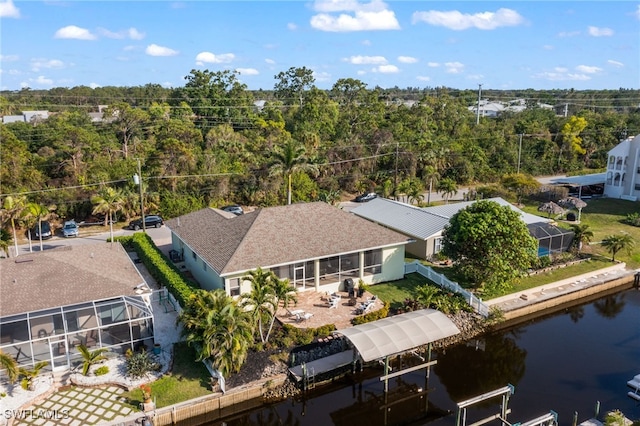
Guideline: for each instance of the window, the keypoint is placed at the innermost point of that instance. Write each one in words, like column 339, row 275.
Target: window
column 437, row 245
column 373, row 262
column 234, row 286
column 637, row 186
column 350, row 265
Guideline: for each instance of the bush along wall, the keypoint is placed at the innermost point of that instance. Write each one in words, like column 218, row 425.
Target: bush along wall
column 159, row 266
column 372, row 316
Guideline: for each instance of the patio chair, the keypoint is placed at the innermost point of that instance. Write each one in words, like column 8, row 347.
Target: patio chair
column 307, row 316
column 333, row 303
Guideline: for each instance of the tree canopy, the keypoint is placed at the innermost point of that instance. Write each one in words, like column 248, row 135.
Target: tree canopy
column 490, row 245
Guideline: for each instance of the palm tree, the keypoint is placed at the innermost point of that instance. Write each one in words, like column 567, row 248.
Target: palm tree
column 448, row 188
column 415, row 192
column 108, row 201
column 425, row 294
column 35, row 212
column 30, row 374
column 5, row 241
column 288, row 159
column 91, row 357
column 615, row 243
column 219, row 329
column 581, row 234
column 10, row 366
column 261, row 301
column 12, row 208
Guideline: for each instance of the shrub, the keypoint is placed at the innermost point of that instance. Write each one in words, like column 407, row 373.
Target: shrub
column 101, row 371
column 139, row 364
column 372, row 316
column 632, row 219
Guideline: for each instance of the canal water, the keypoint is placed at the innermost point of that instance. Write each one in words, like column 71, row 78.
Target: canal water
column 566, row 362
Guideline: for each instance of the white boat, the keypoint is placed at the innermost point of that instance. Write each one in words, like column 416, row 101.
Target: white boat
column 635, row 385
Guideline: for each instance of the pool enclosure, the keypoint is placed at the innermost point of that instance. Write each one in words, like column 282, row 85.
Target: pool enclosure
column 53, row 335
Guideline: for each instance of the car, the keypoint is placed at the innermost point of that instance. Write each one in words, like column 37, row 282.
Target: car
column 150, row 221
column 366, row 197
column 235, row 209
column 45, row 227
column 70, row 229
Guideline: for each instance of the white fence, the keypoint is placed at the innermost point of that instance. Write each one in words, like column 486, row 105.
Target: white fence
column 475, row 302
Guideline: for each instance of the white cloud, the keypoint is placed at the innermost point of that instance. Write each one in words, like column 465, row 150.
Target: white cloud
column 9, row 58
column 568, row 34
column 94, row 85
column 561, row 76
column 211, row 58
column 42, row 80
column 475, row 77
column 456, row 20
column 366, row 60
column 155, row 50
column 454, row 67
column 386, row 69
column 359, row 17
column 9, row 10
column 361, row 72
column 247, row 71
column 615, row 63
column 600, row 32
column 321, row 76
column 588, row 69
column 134, row 34
column 74, row 32
column 548, row 47
column 14, row 72
column 433, row 64
column 407, row 59
column 423, row 78
column 561, row 69
column 38, row 64
column 270, row 61
column 291, row 26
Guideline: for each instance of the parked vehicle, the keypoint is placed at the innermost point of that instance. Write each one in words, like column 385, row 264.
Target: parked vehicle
column 70, row 229
column 366, row 197
column 235, row 209
column 45, row 227
column 150, row 221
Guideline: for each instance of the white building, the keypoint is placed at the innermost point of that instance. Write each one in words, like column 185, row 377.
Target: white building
column 623, row 170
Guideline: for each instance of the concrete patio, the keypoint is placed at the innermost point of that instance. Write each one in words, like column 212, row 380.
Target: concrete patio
column 317, row 304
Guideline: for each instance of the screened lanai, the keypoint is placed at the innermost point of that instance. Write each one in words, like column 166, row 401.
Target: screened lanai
column 54, row 335
column 551, row 239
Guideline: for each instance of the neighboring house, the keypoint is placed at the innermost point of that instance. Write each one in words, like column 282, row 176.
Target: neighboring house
column 315, row 245
column 425, row 225
column 623, row 170
column 33, row 117
column 54, row 300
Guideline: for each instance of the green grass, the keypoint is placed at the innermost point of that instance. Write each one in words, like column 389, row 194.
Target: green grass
column 396, row 292
column 188, row 379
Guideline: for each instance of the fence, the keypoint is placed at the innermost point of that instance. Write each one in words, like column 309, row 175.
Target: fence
column 475, row 302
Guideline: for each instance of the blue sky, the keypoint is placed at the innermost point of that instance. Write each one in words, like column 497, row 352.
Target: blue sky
column 501, row 45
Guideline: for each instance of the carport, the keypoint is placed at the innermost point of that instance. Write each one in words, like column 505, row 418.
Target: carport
column 399, row 334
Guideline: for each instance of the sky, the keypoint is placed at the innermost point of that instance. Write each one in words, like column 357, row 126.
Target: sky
column 462, row 45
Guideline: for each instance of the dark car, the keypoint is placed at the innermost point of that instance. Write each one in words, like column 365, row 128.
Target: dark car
column 45, row 227
column 150, row 221
column 366, row 197
column 235, row 209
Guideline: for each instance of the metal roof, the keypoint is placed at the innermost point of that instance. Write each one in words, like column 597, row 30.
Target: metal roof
column 448, row 210
column 584, row 180
column 399, row 333
column 405, row 218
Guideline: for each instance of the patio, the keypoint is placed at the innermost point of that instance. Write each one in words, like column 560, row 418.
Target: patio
column 317, row 305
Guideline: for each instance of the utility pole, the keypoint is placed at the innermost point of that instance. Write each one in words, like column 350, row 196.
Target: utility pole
column 519, row 152
column 566, row 110
column 137, row 179
column 395, row 178
column 478, row 109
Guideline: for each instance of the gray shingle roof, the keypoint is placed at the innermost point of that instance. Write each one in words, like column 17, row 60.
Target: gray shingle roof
column 64, row 276
column 409, row 220
column 278, row 235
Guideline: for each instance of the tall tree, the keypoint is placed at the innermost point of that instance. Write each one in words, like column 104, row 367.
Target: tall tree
column 261, row 301
column 448, row 188
column 128, row 121
column 288, row 159
column 582, row 234
column 618, row 242
column 107, row 202
column 490, row 245
column 12, row 208
column 35, row 213
column 293, row 83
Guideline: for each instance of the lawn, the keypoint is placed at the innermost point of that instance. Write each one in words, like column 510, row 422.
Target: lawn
column 188, row 379
column 395, row 292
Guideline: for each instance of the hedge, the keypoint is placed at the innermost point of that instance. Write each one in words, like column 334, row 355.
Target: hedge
column 372, row 316
column 159, row 266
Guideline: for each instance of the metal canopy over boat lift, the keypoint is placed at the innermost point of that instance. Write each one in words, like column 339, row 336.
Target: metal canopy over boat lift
column 399, row 334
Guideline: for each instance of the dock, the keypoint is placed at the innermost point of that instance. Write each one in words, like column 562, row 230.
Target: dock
column 323, row 365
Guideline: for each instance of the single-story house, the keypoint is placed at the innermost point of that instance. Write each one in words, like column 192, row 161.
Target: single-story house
column 54, row 300
column 425, row 225
column 315, row 245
